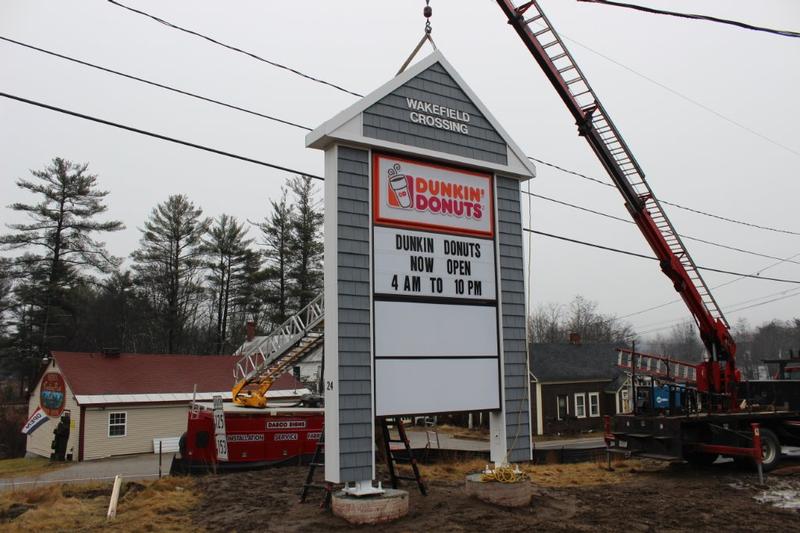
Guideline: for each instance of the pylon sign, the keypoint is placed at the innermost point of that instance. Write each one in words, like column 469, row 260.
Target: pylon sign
column 424, row 285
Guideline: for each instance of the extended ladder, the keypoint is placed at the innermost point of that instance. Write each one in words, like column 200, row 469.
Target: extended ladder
column 547, row 47
column 392, row 459
column 300, row 335
column 656, row 366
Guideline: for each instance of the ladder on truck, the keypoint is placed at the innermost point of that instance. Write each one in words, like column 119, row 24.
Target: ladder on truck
column 657, row 366
column 549, row 50
column 290, row 342
column 596, row 126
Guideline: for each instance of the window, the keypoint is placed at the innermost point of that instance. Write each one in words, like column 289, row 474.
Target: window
column 563, row 407
column 117, row 424
column 626, row 401
column 580, row 405
column 594, row 404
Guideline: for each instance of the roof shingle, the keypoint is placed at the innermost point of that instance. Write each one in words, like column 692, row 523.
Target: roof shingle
column 94, row 373
column 573, row 362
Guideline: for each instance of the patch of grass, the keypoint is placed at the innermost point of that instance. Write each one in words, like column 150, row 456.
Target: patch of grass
column 162, row 505
column 561, row 475
column 25, row 466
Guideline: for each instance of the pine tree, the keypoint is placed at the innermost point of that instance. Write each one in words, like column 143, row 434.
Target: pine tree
column 306, row 248
column 227, row 260
column 59, row 237
column 276, row 230
column 167, row 265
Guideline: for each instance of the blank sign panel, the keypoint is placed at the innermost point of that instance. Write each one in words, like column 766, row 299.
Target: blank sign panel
column 417, row 386
column 410, row 329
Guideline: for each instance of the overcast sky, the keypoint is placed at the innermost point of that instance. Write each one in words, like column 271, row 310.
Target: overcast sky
column 691, row 155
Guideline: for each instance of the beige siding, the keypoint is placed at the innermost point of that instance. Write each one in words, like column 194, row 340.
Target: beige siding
column 40, row 440
column 144, row 423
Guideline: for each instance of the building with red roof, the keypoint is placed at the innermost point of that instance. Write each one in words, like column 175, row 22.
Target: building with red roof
column 123, row 403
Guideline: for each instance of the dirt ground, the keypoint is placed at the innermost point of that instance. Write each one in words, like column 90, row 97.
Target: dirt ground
column 566, row 498
column 634, row 496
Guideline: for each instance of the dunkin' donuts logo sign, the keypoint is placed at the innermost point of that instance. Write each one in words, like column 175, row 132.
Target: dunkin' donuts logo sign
column 415, row 194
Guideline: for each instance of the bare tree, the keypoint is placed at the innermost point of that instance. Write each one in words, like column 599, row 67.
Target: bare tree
column 551, row 323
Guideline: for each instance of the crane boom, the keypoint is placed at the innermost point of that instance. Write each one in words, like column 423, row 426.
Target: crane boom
column 594, row 124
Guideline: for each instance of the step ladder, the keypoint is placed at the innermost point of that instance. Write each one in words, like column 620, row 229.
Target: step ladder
column 659, row 366
column 317, row 461
column 392, row 459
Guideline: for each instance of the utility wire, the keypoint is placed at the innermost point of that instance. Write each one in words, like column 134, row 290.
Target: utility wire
column 155, row 84
column 708, row 18
column 234, row 48
column 627, row 221
column 727, row 311
column 309, row 175
column 757, row 273
column 732, row 307
column 303, row 127
column 318, row 80
column 683, row 96
column 678, row 206
column 159, row 136
column 643, row 256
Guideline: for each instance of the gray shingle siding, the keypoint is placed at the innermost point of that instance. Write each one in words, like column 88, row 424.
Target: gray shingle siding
column 388, row 119
column 353, row 273
column 513, row 310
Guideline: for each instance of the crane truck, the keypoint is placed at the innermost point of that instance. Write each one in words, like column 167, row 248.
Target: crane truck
column 682, row 411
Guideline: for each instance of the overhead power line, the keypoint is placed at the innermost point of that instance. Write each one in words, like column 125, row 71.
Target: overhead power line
column 708, row 18
column 628, row 221
column 154, row 84
column 158, row 136
column 756, row 273
column 678, row 206
column 235, row 49
column 338, row 87
column 307, row 128
column 729, row 311
column 643, row 256
column 313, row 176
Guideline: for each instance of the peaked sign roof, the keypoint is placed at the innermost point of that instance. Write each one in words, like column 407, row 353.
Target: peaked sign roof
column 427, row 110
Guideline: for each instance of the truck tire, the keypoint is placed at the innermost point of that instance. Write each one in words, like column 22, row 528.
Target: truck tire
column 771, row 450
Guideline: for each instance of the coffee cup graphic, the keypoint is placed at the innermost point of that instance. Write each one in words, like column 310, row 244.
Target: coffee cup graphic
column 399, row 184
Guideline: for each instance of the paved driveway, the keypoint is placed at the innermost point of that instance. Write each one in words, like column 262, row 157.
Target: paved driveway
column 132, row 467
column 420, row 438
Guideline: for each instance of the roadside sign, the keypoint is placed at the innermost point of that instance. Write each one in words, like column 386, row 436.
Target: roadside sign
column 220, row 437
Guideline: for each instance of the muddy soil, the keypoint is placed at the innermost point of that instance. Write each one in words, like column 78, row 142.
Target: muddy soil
column 678, row 498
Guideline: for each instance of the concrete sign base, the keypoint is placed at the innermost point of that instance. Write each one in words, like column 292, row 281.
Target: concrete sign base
column 386, row 507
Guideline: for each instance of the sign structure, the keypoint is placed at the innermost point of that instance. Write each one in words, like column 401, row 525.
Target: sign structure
column 52, row 395
column 424, row 276
column 434, row 287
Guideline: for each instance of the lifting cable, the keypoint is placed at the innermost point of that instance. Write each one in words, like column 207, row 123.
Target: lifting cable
column 426, row 12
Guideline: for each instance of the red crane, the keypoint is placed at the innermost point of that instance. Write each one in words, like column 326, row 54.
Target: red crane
column 718, row 376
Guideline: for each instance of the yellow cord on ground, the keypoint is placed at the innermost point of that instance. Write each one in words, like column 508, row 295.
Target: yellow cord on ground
column 504, row 474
